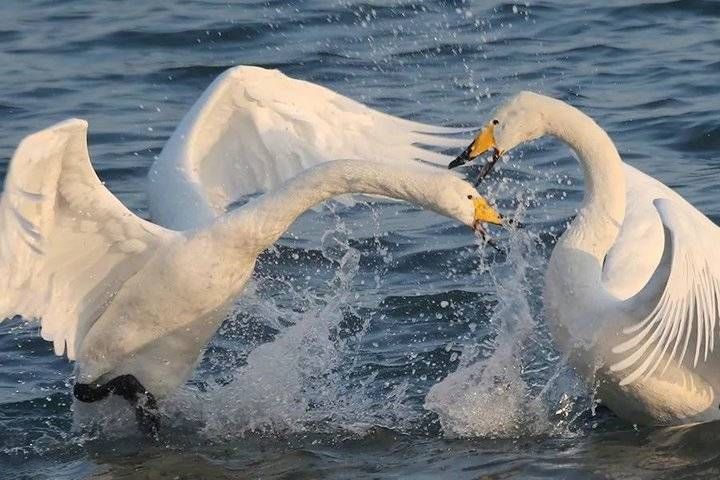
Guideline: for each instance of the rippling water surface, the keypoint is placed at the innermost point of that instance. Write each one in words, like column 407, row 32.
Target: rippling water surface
column 377, row 341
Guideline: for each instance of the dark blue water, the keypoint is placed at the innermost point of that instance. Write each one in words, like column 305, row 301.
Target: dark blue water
column 392, row 346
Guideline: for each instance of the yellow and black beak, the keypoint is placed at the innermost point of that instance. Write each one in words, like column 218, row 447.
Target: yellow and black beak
column 484, row 213
column 484, row 142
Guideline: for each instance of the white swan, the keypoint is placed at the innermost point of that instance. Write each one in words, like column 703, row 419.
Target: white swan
column 253, row 128
column 632, row 290
column 134, row 303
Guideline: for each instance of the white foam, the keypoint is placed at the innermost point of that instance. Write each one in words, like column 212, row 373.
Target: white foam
column 303, row 379
column 502, row 389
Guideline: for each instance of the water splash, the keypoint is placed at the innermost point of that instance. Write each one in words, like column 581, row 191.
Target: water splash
column 305, row 378
column 486, row 396
column 502, row 388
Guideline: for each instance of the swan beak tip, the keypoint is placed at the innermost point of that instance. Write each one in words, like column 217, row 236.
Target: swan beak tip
column 461, row 159
column 484, row 141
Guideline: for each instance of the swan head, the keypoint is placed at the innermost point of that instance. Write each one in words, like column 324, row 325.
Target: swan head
column 517, row 121
column 458, row 199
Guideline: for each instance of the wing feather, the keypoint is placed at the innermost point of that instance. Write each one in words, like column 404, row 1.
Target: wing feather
column 253, row 129
column 66, row 243
column 687, row 309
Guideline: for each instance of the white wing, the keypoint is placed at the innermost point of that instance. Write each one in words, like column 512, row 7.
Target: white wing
column 254, row 128
column 627, row 269
column 66, row 243
column 686, row 292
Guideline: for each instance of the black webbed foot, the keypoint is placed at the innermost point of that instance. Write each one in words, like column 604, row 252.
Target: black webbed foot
column 128, row 387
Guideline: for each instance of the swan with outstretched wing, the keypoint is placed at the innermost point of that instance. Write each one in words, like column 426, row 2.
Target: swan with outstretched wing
column 133, row 303
column 632, row 290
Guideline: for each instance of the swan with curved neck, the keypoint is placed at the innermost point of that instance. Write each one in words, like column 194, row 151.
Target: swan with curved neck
column 134, row 303
column 632, row 289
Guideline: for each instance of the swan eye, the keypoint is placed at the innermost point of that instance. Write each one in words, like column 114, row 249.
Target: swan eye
column 469, row 197
column 495, row 122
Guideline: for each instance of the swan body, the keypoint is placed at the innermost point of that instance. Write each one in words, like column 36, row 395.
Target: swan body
column 632, row 289
column 254, row 128
column 128, row 299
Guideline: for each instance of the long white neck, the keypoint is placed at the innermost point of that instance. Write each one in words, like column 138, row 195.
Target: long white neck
column 599, row 219
column 268, row 217
column 574, row 293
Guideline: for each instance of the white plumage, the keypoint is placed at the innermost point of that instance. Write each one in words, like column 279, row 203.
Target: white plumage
column 687, row 310
column 66, row 243
column 254, row 128
column 632, row 291
column 123, row 296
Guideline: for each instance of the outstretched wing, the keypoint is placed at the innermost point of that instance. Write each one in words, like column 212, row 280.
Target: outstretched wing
column 682, row 325
column 254, row 128
column 66, row 243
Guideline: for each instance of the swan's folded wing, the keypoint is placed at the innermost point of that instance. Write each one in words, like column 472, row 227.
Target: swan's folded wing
column 681, row 326
column 253, row 128
column 66, row 242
